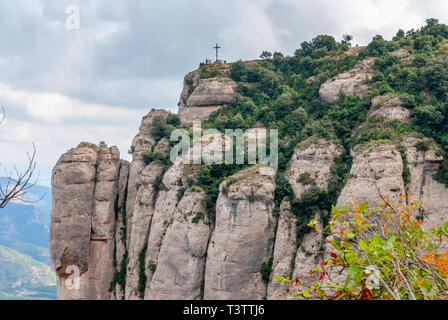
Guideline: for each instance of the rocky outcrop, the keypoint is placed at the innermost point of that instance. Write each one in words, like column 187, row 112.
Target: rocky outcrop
column 423, row 164
column 82, row 236
column 145, row 230
column 310, row 166
column 352, row 82
column 141, row 221
column 200, row 97
column 284, row 251
column 377, row 172
column 243, row 237
column 141, row 144
column 389, row 107
column 179, row 271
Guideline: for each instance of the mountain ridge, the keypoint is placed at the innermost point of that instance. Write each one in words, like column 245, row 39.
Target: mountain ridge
column 358, row 123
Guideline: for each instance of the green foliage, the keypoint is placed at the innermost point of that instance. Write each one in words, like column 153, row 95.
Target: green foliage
column 406, row 171
column 180, row 193
column 161, row 129
column 210, row 71
column 283, row 189
column 152, row 266
column 304, row 209
column 266, row 55
column 423, row 145
column 158, row 184
column 252, row 198
column 198, row 216
column 141, row 273
column 283, row 93
column 305, row 178
column 120, row 275
column 173, row 119
column 147, row 159
column 209, row 178
column 266, row 268
column 383, row 253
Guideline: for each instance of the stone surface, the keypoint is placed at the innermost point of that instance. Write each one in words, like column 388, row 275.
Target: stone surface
column 141, row 143
column 422, row 187
column 141, row 222
column 310, row 164
column 377, row 171
column 352, row 82
column 243, row 238
column 181, row 262
column 390, row 108
column 82, row 235
column 200, row 97
column 105, row 208
column 284, row 251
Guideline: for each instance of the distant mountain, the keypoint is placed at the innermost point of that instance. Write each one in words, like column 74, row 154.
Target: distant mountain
column 22, row 277
column 25, row 266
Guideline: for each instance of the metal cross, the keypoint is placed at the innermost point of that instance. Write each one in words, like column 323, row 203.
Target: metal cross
column 216, row 48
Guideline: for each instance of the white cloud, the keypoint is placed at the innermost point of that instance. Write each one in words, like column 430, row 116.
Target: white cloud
column 55, row 107
column 61, row 87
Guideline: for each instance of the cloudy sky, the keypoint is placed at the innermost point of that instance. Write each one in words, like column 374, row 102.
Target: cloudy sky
column 62, row 85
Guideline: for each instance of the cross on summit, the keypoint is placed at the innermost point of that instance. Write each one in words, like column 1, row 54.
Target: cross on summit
column 217, row 49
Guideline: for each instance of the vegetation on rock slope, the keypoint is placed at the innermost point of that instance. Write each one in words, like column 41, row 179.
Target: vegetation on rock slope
column 283, row 93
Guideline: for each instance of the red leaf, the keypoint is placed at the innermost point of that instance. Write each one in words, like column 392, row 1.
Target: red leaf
column 333, row 255
column 366, row 294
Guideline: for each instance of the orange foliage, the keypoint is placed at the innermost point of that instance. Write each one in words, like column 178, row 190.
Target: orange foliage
column 440, row 261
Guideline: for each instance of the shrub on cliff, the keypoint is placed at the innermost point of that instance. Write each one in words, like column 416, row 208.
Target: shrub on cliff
column 378, row 254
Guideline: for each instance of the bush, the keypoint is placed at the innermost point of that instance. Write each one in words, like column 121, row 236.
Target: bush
column 266, row 268
column 423, row 145
column 383, row 253
column 141, row 273
column 147, row 158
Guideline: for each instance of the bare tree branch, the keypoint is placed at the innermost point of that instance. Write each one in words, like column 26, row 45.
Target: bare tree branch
column 18, row 183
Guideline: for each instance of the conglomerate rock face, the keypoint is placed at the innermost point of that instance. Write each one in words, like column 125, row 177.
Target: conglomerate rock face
column 144, row 230
column 352, row 82
column 389, row 107
column 309, row 166
column 377, row 172
column 243, row 238
column 83, row 223
column 200, row 97
column 423, row 164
